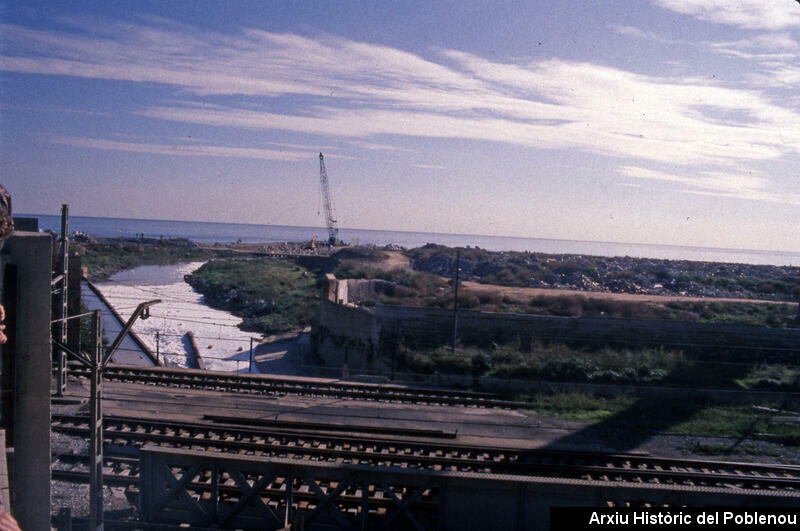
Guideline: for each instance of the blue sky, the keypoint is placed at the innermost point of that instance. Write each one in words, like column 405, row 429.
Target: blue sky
column 671, row 121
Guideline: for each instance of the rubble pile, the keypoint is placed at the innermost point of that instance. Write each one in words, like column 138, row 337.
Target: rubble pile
column 612, row 274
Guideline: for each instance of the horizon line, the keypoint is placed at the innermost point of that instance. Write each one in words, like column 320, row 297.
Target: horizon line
column 738, row 249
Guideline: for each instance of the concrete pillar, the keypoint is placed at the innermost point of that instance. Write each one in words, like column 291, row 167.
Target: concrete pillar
column 30, row 254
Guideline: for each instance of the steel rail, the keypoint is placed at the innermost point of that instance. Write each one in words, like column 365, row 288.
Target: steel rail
column 273, row 385
column 437, row 456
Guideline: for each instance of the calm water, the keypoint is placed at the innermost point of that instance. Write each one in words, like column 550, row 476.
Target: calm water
column 231, row 232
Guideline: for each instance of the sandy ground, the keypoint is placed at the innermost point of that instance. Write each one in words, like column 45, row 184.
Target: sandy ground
column 529, row 293
column 395, row 260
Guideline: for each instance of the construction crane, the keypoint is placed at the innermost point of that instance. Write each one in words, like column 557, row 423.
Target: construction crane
column 330, row 221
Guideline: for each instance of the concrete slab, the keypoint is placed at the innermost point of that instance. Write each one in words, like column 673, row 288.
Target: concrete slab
column 491, row 427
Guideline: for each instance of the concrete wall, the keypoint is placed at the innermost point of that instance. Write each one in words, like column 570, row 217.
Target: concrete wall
column 387, row 326
column 360, row 290
column 736, row 341
column 30, row 254
column 347, row 333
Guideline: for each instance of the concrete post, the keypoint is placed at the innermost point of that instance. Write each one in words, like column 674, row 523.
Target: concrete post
column 74, row 305
column 63, row 300
column 96, row 426
column 31, row 252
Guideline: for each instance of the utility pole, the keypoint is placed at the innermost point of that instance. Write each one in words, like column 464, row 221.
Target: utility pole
column 250, row 369
column 96, row 362
column 96, row 427
column 455, row 300
column 158, row 346
column 63, row 300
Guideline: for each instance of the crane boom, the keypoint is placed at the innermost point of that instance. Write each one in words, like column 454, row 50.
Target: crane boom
column 330, row 221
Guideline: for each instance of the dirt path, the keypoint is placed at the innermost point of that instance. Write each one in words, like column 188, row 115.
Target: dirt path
column 530, row 293
column 395, row 260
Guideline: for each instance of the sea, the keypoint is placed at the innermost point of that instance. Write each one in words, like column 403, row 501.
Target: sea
column 207, row 232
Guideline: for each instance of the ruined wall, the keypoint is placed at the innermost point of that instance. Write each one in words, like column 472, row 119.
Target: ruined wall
column 364, row 336
column 360, row 290
column 346, row 333
column 735, row 341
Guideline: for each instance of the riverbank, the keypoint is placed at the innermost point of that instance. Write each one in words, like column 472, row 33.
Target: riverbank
column 271, row 296
column 221, row 344
column 102, row 257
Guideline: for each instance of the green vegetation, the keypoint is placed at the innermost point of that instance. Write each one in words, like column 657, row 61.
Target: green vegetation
column 577, row 406
column 641, row 417
column 739, row 421
column 750, row 313
column 271, row 295
column 736, row 312
column 640, row 367
column 103, row 259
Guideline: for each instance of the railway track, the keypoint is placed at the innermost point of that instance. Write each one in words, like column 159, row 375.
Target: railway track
column 127, row 435
column 278, row 386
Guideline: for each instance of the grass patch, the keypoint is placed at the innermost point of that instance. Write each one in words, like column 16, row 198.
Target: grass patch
column 271, row 295
column 639, row 367
column 576, row 406
column 643, row 417
column 741, row 422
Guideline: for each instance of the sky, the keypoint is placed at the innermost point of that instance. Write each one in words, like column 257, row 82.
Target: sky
column 668, row 121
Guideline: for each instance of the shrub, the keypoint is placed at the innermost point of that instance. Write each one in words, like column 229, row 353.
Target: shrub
column 480, row 365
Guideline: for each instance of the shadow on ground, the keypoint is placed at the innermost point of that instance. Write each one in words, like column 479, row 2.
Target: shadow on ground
column 651, row 414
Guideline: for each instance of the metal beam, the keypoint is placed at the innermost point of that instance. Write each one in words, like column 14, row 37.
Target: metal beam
column 80, row 357
column 143, row 311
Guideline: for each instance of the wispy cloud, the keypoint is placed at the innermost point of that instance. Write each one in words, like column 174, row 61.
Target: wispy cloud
column 717, row 183
column 430, row 166
column 182, row 150
column 53, row 109
column 363, row 93
column 630, row 31
column 752, row 14
column 774, row 58
column 373, row 146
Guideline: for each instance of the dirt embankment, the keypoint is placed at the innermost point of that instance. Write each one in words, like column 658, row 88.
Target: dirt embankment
column 391, row 260
column 526, row 294
column 678, row 280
